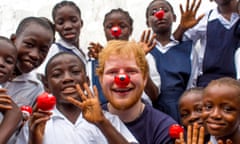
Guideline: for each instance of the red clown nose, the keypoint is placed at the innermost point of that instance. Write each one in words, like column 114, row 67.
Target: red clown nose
column 46, row 101
column 116, row 31
column 159, row 14
column 122, row 80
column 26, row 110
column 175, row 130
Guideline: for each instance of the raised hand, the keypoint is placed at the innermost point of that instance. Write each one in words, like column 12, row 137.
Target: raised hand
column 188, row 19
column 89, row 104
column 5, row 101
column 147, row 42
column 195, row 135
column 94, row 49
column 37, row 123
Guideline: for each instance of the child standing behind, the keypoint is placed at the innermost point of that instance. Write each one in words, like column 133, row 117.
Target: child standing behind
column 33, row 39
column 171, row 57
column 10, row 114
column 221, row 112
column 218, row 42
column 68, row 23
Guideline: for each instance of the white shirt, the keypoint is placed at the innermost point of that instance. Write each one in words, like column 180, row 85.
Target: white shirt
column 198, row 34
column 24, row 89
column 59, row 130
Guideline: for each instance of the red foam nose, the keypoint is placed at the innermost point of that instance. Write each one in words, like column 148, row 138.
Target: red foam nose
column 122, row 80
column 26, row 109
column 46, row 101
column 159, row 14
column 175, row 130
column 116, row 31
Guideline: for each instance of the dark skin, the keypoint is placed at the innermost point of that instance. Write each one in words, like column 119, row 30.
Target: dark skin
column 12, row 116
column 188, row 17
column 65, row 79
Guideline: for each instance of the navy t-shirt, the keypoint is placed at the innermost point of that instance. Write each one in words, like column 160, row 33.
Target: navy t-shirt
column 152, row 127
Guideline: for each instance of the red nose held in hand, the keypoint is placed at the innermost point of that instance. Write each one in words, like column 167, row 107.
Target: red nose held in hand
column 159, row 14
column 175, row 130
column 26, row 110
column 122, row 80
column 46, row 101
column 116, row 31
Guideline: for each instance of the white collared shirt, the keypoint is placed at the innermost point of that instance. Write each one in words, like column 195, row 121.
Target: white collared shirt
column 59, row 130
column 198, row 35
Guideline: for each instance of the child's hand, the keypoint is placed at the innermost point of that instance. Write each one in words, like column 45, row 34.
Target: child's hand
column 188, row 19
column 94, row 50
column 37, row 123
column 90, row 104
column 148, row 44
column 195, row 135
column 5, row 101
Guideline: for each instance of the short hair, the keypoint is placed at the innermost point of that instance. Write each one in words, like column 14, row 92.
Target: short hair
column 60, row 54
column 26, row 21
column 62, row 4
column 227, row 81
column 195, row 90
column 123, row 49
column 3, row 38
column 119, row 10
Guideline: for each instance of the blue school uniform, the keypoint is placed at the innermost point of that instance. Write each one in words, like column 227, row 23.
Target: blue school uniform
column 219, row 53
column 174, row 67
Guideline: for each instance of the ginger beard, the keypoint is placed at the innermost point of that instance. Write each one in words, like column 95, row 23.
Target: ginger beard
column 122, row 98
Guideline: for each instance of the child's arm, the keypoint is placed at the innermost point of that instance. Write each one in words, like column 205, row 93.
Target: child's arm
column 11, row 116
column 37, row 123
column 188, row 19
column 92, row 112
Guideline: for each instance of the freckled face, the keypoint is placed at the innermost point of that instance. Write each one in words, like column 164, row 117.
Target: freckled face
column 122, row 98
column 221, row 110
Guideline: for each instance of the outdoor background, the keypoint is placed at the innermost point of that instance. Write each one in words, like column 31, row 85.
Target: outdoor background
column 93, row 11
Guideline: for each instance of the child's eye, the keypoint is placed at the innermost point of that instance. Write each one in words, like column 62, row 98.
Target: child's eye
column 207, row 107
column 227, row 109
column 184, row 115
column 74, row 19
column 199, row 109
column 9, row 60
column 29, row 45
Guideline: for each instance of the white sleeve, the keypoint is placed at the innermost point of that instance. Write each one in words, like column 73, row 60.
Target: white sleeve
column 237, row 62
column 153, row 72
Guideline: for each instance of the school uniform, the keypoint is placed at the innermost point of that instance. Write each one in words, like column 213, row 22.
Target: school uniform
column 59, row 130
column 218, row 45
column 173, row 63
column 24, row 89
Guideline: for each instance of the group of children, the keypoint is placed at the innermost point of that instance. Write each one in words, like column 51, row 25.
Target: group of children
column 160, row 69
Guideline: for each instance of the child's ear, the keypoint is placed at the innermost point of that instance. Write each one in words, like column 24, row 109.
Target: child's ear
column 13, row 37
column 174, row 17
column 81, row 23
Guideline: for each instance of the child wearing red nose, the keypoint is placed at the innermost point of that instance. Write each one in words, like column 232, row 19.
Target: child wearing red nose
column 10, row 114
column 118, row 24
column 123, row 72
column 171, row 57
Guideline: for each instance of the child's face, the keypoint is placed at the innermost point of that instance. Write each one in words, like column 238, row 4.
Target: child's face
column 68, row 24
column 33, row 45
column 221, row 111
column 223, row 2
column 63, row 73
column 8, row 59
column 164, row 24
column 122, row 98
column 190, row 107
column 120, row 20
